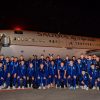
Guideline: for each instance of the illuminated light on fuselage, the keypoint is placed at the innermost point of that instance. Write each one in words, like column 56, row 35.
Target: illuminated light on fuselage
column 17, row 28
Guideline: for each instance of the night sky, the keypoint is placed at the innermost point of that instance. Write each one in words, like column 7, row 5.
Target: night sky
column 78, row 18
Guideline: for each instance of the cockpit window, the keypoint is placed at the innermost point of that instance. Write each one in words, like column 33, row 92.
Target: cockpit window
column 18, row 32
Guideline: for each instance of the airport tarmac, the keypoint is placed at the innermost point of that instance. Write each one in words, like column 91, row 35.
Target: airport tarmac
column 49, row 94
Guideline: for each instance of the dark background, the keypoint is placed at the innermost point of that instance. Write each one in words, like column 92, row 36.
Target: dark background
column 65, row 16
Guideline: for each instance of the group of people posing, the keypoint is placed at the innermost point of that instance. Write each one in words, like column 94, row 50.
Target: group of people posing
column 43, row 73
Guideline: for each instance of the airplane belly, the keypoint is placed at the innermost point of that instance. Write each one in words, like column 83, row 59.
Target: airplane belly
column 28, row 51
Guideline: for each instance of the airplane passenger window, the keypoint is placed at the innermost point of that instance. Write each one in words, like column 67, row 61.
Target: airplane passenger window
column 33, row 40
column 80, row 43
column 15, row 38
column 50, row 41
column 53, row 41
column 71, row 43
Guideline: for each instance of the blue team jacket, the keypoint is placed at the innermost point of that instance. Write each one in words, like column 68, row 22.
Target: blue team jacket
column 62, row 70
column 22, row 70
column 71, row 70
column 58, row 61
column 84, row 77
column 89, row 62
column 67, row 63
column 52, row 70
column 30, row 72
column 94, row 73
column 79, row 68
column 42, row 61
column 13, row 68
column 42, row 73
column 1, row 72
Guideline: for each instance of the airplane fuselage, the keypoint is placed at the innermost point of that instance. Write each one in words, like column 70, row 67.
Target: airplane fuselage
column 28, row 43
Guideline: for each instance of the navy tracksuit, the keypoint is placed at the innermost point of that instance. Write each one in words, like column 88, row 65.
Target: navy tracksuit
column 47, row 63
column 75, row 62
column 42, row 61
column 94, row 61
column 98, row 82
column 94, row 74
column 28, row 62
column 85, row 79
column 6, row 77
column 36, row 65
column 42, row 77
column 71, row 71
column 3, row 61
column 7, row 72
column 13, row 69
column 79, row 69
column 52, row 74
column 30, row 75
column 89, row 62
column 1, row 76
column 67, row 61
column 22, row 75
column 58, row 62
column 84, row 63
column 62, row 71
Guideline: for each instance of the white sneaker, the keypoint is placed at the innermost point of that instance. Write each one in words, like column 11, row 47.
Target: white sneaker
column 0, row 87
column 44, row 88
column 94, row 88
column 77, row 87
column 13, row 87
column 74, row 88
column 71, row 88
column 19, row 87
column 56, row 86
column 48, row 86
column 64, row 87
column 98, row 88
column 59, row 87
column 23, row 87
column 87, row 88
column 28, row 85
column 51, row 85
column 8, row 88
column 39, row 87
column 68, row 85
column 4, row 85
column 31, row 85
column 82, row 87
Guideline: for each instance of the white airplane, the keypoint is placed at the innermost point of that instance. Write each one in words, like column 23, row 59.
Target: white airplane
column 28, row 43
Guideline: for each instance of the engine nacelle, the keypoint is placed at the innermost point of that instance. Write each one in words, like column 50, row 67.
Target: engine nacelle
column 5, row 40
